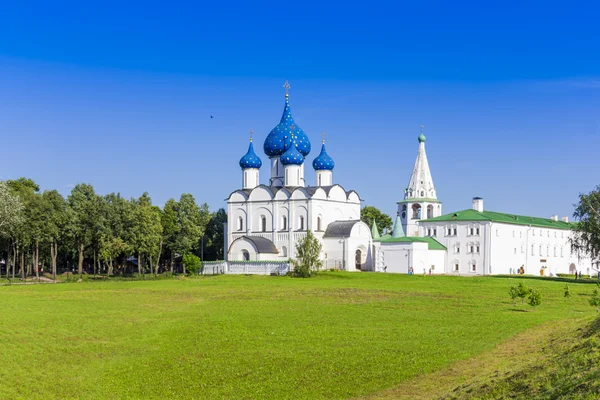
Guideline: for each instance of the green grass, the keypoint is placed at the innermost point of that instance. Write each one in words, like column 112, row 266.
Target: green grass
column 338, row 335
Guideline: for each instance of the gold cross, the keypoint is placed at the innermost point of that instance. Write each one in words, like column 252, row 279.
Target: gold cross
column 251, row 133
column 422, row 127
column 323, row 137
column 286, row 85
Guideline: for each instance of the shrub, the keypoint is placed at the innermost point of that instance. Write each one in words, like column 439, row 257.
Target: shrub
column 192, row 263
column 308, row 262
column 513, row 292
column 522, row 292
column 595, row 300
column 568, row 291
column 534, row 299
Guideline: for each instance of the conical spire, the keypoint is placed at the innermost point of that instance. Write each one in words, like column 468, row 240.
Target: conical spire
column 397, row 232
column 421, row 182
column 375, row 231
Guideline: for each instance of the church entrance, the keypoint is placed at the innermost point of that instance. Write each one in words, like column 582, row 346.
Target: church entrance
column 572, row 269
column 358, row 259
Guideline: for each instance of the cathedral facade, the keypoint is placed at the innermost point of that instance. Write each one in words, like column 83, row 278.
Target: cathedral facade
column 266, row 220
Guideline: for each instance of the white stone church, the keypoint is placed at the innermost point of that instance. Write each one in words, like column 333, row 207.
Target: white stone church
column 266, row 221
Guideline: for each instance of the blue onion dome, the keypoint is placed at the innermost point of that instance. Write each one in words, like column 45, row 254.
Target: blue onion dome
column 250, row 159
column 292, row 155
column 323, row 161
column 275, row 143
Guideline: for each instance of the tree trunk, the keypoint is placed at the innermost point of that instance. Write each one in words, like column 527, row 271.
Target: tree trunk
column 139, row 265
column 23, row 264
column 35, row 258
column 158, row 258
column 110, row 268
column 80, row 260
column 151, row 264
column 14, row 264
column 53, row 257
column 172, row 264
column 94, row 263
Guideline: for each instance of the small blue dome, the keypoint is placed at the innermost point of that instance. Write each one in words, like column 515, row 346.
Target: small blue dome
column 323, row 161
column 275, row 143
column 292, row 156
column 250, row 159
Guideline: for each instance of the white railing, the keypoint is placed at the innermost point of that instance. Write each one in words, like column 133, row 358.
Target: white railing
column 246, row 268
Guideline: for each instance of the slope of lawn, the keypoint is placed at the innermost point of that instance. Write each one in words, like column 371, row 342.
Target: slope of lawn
column 338, row 335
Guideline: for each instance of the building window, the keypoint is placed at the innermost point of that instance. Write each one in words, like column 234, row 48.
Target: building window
column 284, row 223
column 434, row 231
column 471, row 248
column 515, row 251
column 455, row 231
column 284, row 251
column 477, row 231
column 471, row 231
column 416, row 208
column 245, row 255
column 456, row 248
column 455, row 266
column 301, row 223
column 477, row 249
column 240, row 224
column 263, row 223
column 532, row 252
column 319, row 223
column 473, row 266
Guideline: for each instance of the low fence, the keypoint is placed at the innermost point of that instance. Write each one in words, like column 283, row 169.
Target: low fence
column 246, row 268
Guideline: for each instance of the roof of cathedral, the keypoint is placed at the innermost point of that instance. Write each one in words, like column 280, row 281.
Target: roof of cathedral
column 474, row 215
column 311, row 190
column 277, row 142
column 375, row 231
column 340, row 229
column 421, row 182
column 292, row 156
column 323, row 161
column 250, row 159
column 431, row 242
column 397, row 232
column 263, row 245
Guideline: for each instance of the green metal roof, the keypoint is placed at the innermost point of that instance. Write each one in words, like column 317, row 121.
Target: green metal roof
column 419, row 200
column 432, row 243
column 397, row 232
column 474, row 215
column 375, row 231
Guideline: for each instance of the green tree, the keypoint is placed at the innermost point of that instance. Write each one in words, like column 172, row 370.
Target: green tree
column 514, row 294
column 11, row 218
column 586, row 237
column 534, row 298
column 214, row 237
column 84, row 220
column 55, row 219
column 595, row 300
column 192, row 263
column 146, row 231
column 120, row 219
column 383, row 221
column 568, row 293
column 308, row 256
column 522, row 292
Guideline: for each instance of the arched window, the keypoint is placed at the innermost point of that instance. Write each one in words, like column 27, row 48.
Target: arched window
column 358, row 259
column 416, row 211
column 422, row 193
column 301, row 222
column 245, row 178
column 284, row 251
column 240, row 224
column 473, row 266
column 284, row 223
column 320, row 180
column 263, row 223
column 430, row 211
column 319, row 223
column 245, row 255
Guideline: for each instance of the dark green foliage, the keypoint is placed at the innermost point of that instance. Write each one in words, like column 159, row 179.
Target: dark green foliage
column 568, row 293
column 192, row 263
column 308, row 257
column 383, row 221
column 513, row 292
column 586, row 238
column 522, row 291
column 534, row 299
column 595, row 300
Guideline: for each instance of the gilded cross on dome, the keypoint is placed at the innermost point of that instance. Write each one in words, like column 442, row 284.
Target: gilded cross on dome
column 286, row 85
column 251, row 133
column 323, row 137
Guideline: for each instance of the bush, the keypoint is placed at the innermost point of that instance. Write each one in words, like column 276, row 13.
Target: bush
column 534, row 299
column 513, row 292
column 567, row 291
column 522, row 292
column 595, row 300
column 192, row 263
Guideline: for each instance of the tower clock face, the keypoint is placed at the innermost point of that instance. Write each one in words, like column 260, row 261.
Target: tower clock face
column 403, row 214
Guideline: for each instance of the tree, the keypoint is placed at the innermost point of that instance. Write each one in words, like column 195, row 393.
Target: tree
column 586, row 231
column 534, row 298
column 383, row 221
column 146, row 231
column 308, row 256
column 522, row 292
column 513, row 293
column 11, row 218
column 568, row 293
column 595, row 300
column 192, row 263
column 54, row 219
column 215, row 237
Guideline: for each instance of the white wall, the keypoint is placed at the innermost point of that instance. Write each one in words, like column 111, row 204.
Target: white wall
column 399, row 256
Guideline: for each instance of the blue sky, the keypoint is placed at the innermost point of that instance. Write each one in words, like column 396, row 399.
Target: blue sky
column 120, row 96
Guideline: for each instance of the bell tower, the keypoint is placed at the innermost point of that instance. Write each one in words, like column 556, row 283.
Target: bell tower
column 420, row 199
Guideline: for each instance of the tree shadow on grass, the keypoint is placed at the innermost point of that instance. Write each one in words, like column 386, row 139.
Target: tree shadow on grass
column 517, row 310
column 547, row 278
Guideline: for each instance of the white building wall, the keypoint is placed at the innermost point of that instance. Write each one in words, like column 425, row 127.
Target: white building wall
column 398, row 257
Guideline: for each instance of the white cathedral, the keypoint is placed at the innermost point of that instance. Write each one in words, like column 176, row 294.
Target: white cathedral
column 266, row 221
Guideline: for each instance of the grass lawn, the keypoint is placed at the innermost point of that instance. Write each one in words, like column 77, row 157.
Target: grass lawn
column 339, row 335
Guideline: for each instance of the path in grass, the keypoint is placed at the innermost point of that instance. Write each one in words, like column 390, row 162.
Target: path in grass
column 339, row 335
